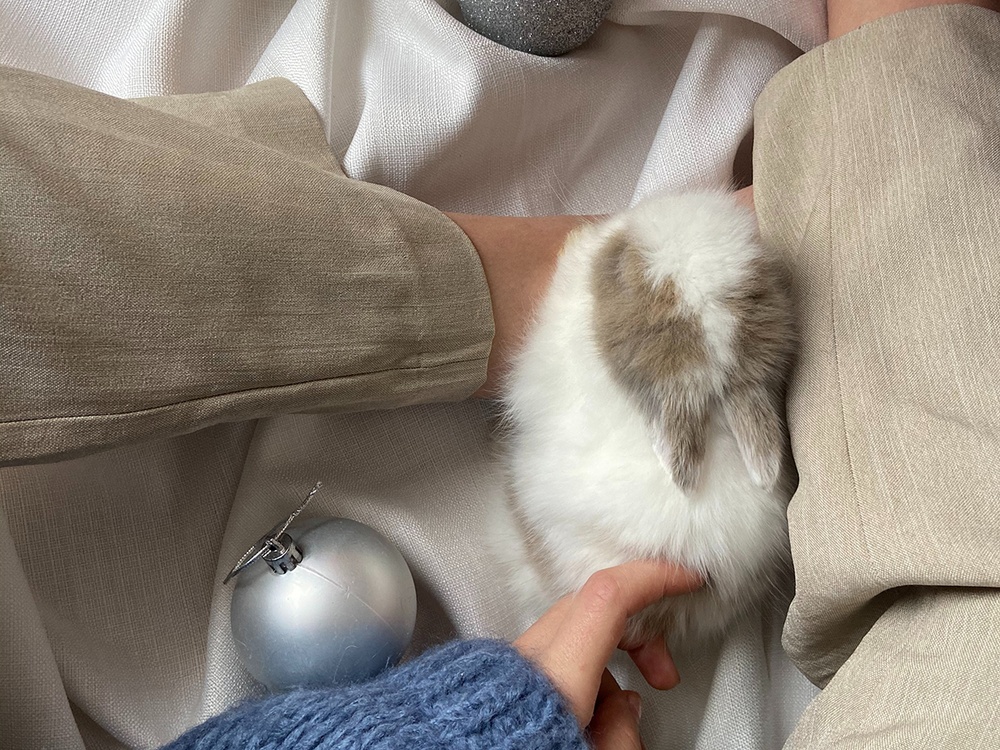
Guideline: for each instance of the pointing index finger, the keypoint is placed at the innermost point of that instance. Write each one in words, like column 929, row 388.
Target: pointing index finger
column 596, row 619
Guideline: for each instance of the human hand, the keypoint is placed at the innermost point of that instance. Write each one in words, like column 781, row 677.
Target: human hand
column 844, row 16
column 574, row 640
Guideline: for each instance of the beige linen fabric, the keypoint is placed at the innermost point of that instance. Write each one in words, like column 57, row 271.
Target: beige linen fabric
column 222, row 278
column 878, row 173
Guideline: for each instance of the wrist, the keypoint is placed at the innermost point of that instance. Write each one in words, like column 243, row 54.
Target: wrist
column 844, row 16
column 519, row 256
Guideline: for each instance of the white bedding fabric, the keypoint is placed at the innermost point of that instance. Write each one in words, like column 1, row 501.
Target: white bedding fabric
column 412, row 99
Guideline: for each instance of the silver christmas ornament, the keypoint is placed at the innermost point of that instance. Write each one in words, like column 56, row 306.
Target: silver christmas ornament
column 319, row 603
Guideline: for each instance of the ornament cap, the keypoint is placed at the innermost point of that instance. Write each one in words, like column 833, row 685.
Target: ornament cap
column 276, row 547
column 282, row 554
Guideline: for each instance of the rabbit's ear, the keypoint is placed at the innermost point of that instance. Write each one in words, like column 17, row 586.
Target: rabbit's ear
column 755, row 417
column 680, row 430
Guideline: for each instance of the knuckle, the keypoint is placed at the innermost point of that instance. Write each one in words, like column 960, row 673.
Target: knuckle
column 603, row 590
column 619, row 732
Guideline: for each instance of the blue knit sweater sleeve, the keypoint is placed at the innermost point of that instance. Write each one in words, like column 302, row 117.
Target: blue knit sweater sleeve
column 468, row 695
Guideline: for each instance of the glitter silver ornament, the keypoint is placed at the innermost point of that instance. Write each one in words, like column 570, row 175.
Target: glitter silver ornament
column 541, row 27
column 331, row 602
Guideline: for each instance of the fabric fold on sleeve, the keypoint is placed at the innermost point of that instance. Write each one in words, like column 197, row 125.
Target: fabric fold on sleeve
column 176, row 263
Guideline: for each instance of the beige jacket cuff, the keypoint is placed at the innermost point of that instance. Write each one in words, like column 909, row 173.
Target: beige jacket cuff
column 194, row 260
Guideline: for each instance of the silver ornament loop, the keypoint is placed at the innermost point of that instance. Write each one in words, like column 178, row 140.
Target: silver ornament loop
column 275, row 547
column 252, row 555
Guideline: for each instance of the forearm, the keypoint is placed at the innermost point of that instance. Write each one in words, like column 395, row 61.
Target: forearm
column 519, row 257
column 844, row 16
column 159, row 276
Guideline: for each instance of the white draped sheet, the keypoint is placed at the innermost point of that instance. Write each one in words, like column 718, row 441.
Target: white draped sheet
column 662, row 96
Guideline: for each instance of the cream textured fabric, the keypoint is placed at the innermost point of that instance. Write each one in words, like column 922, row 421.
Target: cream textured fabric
column 114, row 631
column 885, row 196
column 413, row 99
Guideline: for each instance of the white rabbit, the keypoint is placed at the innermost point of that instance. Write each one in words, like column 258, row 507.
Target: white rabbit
column 644, row 414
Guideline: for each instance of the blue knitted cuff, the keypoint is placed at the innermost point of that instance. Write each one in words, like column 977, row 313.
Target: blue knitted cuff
column 473, row 695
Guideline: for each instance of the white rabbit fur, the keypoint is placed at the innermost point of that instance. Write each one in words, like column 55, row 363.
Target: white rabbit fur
column 590, row 480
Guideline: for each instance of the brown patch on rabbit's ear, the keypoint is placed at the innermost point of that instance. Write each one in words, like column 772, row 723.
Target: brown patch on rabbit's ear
column 755, row 417
column 656, row 350
column 764, row 345
column 681, row 433
column 764, row 340
column 644, row 332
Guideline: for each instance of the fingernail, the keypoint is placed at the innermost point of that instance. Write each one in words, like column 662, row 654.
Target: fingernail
column 634, row 704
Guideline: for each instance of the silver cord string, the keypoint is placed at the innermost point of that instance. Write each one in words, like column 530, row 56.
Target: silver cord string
column 270, row 540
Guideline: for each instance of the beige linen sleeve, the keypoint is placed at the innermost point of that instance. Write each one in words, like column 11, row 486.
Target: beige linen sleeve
column 877, row 172
column 189, row 261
